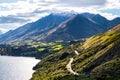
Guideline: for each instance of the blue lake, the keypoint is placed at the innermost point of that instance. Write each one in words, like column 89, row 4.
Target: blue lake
column 16, row 68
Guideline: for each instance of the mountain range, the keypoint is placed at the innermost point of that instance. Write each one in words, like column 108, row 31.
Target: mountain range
column 61, row 27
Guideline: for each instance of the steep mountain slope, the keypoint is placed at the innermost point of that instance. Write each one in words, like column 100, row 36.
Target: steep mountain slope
column 61, row 27
column 80, row 26
column 99, row 59
column 30, row 30
column 75, row 28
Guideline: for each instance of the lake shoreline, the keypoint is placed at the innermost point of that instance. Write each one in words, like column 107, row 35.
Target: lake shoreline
column 20, row 68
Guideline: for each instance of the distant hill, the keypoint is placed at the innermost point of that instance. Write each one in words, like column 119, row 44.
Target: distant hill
column 98, row 59
column 61, row 27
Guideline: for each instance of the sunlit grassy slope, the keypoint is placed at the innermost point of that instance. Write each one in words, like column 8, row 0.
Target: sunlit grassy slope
column 99, row 59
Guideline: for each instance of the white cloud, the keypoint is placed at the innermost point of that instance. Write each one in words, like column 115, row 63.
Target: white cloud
column 17, row 7
column 50, row 0
column 34, row 9
column 83, row 3
column 113, row 4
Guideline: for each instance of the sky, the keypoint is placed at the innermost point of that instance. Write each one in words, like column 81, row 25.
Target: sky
column 15, row 13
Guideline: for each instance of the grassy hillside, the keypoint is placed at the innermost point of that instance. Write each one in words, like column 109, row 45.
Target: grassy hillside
column 99, row 59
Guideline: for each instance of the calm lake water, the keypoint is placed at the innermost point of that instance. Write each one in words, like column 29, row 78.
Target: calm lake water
column 16, row 68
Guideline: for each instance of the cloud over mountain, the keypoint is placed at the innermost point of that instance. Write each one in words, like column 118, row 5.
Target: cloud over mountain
column 34, row 9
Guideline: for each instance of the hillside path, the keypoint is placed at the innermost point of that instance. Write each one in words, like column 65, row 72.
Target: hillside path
column 69, row 67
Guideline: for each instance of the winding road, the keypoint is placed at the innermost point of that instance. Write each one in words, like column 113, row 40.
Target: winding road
column 69, row 68
column 76, row 52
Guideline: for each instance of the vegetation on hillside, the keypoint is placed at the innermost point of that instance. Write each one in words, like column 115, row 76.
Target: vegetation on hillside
column 99, row 59
column 33, row 48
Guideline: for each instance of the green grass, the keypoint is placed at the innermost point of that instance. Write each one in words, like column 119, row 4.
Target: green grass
column 41, row 49
column 99, row 59
column 57, row 47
